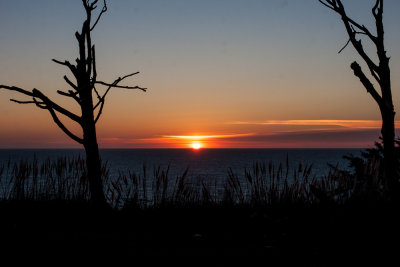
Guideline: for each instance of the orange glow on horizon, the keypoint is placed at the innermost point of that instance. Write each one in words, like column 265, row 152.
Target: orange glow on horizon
column 264, row 134
column 179, row 141
column 200, row 141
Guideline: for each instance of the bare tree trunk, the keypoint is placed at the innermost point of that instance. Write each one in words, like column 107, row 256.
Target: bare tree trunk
column 93, row 163
column 388, row 126
column 388, row 136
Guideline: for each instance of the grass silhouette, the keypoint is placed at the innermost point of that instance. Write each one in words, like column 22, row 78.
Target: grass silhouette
column 272, row 214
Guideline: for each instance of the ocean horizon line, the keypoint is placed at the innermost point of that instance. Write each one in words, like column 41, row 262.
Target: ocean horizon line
column 185, row 148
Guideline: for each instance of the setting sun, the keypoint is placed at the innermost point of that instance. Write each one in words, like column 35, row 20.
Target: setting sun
column 196, row 145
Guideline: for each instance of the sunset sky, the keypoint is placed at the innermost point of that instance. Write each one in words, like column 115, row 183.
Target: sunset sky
column 219, row 73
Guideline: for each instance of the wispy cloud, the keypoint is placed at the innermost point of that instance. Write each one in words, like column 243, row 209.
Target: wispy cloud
column 354, row 124
column 271, row 133
column 174, row 140
column 204, row 137
column 313, row 138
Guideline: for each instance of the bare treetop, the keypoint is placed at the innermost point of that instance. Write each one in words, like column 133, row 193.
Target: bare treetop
column 85, row 93
column 380, row 71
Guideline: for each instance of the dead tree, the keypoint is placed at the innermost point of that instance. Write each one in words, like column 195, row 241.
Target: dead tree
column 381, row 74
column 84, row 92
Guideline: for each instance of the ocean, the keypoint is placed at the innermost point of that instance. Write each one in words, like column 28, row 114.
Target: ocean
column 205, row 163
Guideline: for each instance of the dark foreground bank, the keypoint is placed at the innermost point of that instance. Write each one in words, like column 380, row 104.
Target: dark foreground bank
column 215, row 235
column 273, row 215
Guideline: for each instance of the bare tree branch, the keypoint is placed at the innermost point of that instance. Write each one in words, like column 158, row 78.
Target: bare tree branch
column 17, row 89
column 347, row 43
column 94, row 72
column 349, row 23
column 100, row 110
column 50, row 104
column 376, row 7
column 360, row 49
column 63, row 93
column 71, row 94
column 378, row 13
column 40, row 104
column 101, row 101
column 22, row 102
column 70, row 83
column 101, row 13
column 337, row 6
column 330, row 5
column 63, row 128
column 93, row 5
column 121, row 86
column 365, row 81
column 46, row 104
column 86, row 3
column 97, row 93
column 362, row 28
column 68, row 64
column 113, row 85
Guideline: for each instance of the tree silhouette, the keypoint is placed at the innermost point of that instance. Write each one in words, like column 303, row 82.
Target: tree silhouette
column 85, row 94
column 381, row 73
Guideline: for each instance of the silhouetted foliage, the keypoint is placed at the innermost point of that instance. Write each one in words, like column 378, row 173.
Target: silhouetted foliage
column 262, row 185
column 368, row 173
column 85, row 94
column 381, row 73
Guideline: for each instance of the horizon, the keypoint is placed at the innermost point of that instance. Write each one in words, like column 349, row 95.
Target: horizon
column 188, row 148
column 272, row 79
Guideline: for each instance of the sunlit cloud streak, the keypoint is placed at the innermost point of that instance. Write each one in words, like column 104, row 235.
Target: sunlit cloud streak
column 354, row 124
column 270, row 134
column 203, row 137
column 178, row 141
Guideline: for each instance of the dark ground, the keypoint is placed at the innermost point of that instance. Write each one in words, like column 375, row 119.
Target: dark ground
column 292, row 235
